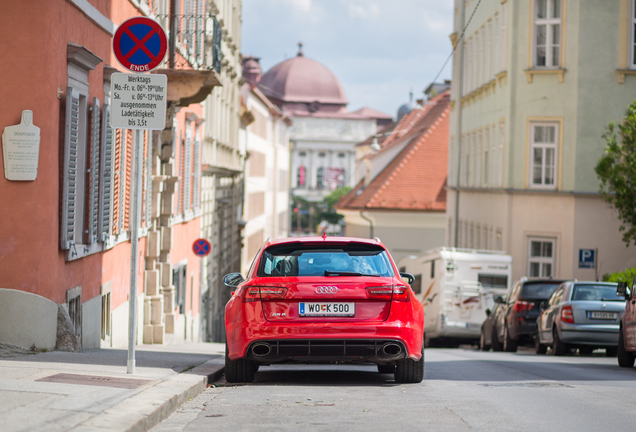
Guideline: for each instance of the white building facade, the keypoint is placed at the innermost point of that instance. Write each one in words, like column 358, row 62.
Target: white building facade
column 535, row 82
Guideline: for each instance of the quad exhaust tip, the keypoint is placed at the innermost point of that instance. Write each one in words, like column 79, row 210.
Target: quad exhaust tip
column 391, row 349
column 261, row 349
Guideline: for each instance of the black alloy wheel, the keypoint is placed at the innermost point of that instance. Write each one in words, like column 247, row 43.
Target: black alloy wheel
column 509, row 345
column 539, row 348
column 558, row 347
column 240, row 370
column 482, row 341
column 494, row 340
column 409, row 371
column 625, row 358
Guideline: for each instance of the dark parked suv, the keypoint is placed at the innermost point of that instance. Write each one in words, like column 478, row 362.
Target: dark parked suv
column 514, row 320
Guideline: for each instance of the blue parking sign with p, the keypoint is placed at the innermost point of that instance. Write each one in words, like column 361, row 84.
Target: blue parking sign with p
column 587, row 258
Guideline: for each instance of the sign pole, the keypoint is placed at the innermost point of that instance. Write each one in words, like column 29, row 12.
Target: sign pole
column 134, row 249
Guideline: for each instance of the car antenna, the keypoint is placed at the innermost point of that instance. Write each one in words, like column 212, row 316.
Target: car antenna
column 324, row 235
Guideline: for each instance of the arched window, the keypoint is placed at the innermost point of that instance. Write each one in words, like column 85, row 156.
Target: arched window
column 320, row 178
column 300, row 177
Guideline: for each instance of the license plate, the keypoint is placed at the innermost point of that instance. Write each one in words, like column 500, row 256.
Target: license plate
column 326, row 309
column 603, row 315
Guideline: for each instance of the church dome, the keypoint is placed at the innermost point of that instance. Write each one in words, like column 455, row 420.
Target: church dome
column 302, row 80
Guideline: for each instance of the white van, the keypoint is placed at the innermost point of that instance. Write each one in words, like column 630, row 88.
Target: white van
column 456, row 286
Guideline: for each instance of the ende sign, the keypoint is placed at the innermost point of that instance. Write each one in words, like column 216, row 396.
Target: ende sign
column 138, row 101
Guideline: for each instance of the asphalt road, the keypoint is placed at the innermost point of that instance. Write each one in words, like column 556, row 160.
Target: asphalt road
column 463, row 389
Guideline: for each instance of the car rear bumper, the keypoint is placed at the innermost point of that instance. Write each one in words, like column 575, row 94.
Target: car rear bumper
column 298, row 341
column 602, row 334
column 326, row 350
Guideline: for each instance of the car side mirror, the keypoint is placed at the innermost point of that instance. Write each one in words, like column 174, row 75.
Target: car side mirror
column 232, row 279
column 409, row 277
column 499, row 300
column 622, row 291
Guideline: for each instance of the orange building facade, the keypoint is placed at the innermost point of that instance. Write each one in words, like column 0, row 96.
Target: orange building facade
column 65, row 248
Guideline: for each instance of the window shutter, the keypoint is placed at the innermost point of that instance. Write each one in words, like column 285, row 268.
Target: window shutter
column 149, row 180
column 93, row 200
column 187, row 174
column 106, row 179
column 69, row 188
column 197, row 173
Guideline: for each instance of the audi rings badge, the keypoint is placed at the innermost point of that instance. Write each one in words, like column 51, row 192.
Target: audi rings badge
column 326, row 290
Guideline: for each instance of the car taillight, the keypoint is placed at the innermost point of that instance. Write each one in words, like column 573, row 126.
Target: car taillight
column 521, row 306
column 263, row 293
column 391, row 292
column 566, row 315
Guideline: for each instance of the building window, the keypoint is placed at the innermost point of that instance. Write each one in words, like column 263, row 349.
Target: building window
column 540, row 257
column 543, row 151
column 485, row 164
column 82, row 134
column 500, row 156
column 341, row 155
column 300, row 177
column 320, row 178
column 322, row 154
column 503, row 37
column 302, row 154
column 547, row 33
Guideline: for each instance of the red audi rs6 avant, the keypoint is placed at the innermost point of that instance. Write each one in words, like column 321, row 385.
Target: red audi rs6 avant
column 323, row 300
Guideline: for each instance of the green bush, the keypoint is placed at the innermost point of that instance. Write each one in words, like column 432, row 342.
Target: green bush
column 626, row 275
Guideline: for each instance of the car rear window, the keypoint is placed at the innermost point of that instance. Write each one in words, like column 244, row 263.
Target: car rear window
column 595, row 292
column 539, row 290
column 325, row 260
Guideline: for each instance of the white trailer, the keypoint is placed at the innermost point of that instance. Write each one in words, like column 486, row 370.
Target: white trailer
column 456, row 286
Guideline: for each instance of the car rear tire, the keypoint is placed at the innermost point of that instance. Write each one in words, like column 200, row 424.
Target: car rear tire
column 539, row 348
column 409, row 371
column 386, row 369
column 240, row 370
column 625, row 358
column 558, row 347
column 482, row 342
column 509, row 345
column 494, row 340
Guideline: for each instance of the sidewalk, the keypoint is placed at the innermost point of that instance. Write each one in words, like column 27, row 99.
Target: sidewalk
column 91, row 391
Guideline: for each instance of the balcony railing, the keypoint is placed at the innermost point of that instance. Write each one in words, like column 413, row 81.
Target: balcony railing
column 193, row 41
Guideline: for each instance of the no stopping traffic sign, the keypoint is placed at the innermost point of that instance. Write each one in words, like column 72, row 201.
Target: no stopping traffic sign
column 140, row 44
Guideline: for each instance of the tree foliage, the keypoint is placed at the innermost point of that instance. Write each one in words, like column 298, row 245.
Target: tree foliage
column 626, row 275
column 616, row 171
column 328, row 213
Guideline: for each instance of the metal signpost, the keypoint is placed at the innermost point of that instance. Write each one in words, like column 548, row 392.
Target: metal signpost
column 138, row 102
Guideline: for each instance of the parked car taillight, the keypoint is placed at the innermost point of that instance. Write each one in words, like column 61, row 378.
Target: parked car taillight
column 263, row 293
column 389, row 292
column 521, row 306
column 566, row 315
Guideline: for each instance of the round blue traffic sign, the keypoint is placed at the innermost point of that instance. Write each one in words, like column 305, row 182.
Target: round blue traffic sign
column 201, row 247
column 140, row 44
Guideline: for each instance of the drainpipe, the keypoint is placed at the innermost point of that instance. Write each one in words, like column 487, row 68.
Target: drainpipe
column 459, row 129
column 370, row 223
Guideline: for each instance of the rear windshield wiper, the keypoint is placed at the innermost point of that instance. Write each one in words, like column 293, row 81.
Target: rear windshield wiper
column 347, row 273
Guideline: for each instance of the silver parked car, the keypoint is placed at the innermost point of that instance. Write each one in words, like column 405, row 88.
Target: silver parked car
column 583, row 315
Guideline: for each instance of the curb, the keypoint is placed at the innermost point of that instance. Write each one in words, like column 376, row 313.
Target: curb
column 150, row 407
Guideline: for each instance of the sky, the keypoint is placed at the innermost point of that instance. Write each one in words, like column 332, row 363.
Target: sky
column 378, row 49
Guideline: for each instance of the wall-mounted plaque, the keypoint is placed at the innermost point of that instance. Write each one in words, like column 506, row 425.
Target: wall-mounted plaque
column 21, row 149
